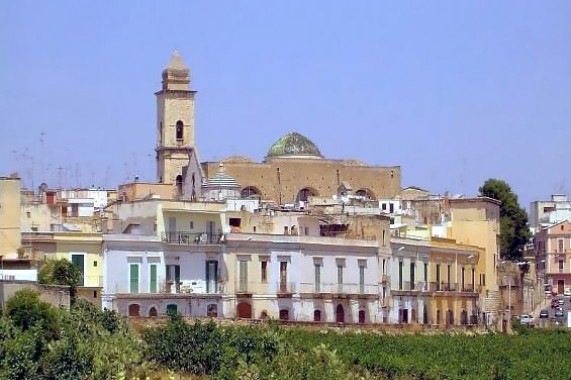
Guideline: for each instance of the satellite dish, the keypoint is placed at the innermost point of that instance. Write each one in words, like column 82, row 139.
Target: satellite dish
column 43, row 187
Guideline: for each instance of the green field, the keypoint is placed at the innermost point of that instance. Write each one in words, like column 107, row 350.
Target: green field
column 40, row 342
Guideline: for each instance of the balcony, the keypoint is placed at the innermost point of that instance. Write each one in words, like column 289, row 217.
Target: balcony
column 285, row 289
column 338, row 290
column 191, row 238
column 92, row 281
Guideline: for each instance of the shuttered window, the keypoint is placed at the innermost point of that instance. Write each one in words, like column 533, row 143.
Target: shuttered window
column 134, row 278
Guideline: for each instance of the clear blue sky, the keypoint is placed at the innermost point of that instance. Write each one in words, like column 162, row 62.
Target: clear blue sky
column 453, row 91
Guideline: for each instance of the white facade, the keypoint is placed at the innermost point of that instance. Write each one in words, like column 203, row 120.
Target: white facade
column 547, row 213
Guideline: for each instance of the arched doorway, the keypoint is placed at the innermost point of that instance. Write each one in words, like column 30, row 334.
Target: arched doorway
column 250, row 192
column 134, row 310
column 212, row 310
column 153, row 312
column 339, row 314
column 284, row 315
column 304, row 194
column 362, row 317
column 244, row 310
column 316, row 315
column 464, row 317
column 449, row 317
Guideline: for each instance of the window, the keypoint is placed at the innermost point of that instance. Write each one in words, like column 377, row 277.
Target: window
column 361, row 278
column 561, row 265
column 560, row 245
column 474, row 277
column 437, row 276
column 449, row 274
column 264, row 271
column 286, row 230
column 95, row 263
column 191, row 225
column 173, row 273
column 425, row 272
column 153, row 279
column 172, row 309
column 179, row 130
column 384, row 207
column 340, row 276
column 134, row 278
column 463, row 274
column 391, row 208
column 483, row 279
column 412, row 277
column 400, row 274
column 317, row 267
column 79, row 261
column 283, row 276
column 211, row 276
column 243, row 276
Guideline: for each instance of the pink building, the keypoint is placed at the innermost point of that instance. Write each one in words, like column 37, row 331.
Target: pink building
column 553, row 253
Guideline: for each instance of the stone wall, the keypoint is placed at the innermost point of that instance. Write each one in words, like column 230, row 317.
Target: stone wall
column 55, row 295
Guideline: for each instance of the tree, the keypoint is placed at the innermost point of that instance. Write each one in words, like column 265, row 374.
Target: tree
column 61, row 272
column 514, row 229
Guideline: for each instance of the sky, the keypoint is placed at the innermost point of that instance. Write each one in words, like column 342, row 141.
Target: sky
column 454, row 92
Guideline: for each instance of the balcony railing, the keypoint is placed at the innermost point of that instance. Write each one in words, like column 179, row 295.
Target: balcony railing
column 285, row 287
column 191, row 238
column 336, row 288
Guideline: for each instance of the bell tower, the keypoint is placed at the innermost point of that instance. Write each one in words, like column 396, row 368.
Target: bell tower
column 175, row 122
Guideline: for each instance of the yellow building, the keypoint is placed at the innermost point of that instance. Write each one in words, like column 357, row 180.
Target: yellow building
column 10, row 236
column 476, row 221
column 433, row 282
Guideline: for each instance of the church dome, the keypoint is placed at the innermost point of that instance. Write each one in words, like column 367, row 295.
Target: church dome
column 294, row 144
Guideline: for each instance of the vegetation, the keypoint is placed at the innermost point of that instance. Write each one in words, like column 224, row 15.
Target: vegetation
column 86, row 343
column 61, row 272
column 514, row 229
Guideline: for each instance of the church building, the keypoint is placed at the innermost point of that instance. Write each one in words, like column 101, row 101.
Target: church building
column 293, row 170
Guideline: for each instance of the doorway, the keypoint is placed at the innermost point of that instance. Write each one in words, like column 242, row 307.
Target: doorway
column 340, row 314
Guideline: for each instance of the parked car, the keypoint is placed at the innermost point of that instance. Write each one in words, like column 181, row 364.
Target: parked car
column 567, row 292
column 526, row 319
column 561, row 301
column 543, row 314
column 559, row 314
column 554, row 304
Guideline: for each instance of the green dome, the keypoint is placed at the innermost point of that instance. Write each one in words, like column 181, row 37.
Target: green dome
column 294, row 144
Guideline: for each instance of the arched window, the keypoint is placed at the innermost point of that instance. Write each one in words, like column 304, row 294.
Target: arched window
column 250, row 192
column 161, row 133
column 179, row 184
column 449, row 317
column 134, row 310
column 366, row 193
column 152, row 312
column 179, row 130
column 317, row 316
column 304, row 194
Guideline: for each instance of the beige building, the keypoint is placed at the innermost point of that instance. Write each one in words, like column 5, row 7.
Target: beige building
column 10, row 235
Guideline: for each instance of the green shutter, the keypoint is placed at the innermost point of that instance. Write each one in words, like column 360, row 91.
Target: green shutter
column 79, row 262
column 153, row 278
column 134, row 278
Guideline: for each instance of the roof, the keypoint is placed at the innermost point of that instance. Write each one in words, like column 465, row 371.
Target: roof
column 176, row 62
column 221, row 180
column 294, row 144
